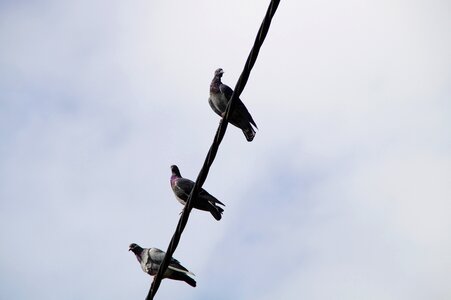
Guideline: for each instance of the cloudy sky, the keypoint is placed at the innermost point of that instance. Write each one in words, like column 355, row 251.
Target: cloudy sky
column 343, row 194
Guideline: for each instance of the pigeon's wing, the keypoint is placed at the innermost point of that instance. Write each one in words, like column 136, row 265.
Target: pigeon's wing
column 183, row 187
column 213, row 107
column 226, row 90
column 241, row 109
column 176, row 266
column 207, row 196
column 156, row 255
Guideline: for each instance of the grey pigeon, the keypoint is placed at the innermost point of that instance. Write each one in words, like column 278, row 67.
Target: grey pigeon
column 220, row 95
column 182, row 188
column 151, row 258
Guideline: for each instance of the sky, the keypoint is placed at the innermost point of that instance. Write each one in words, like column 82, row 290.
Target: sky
column 343, row 194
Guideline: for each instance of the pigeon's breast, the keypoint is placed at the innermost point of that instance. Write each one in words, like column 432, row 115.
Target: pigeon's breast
column 179, row 193
column 146, row 264
column 219, row 100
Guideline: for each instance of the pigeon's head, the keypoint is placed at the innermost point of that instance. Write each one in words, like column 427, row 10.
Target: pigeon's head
column 135, row 248
column 175, row 171
column 218, row 73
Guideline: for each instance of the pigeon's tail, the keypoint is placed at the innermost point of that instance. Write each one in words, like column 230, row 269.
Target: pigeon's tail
column 216, row 212
column 249, row 133
column 183, row 277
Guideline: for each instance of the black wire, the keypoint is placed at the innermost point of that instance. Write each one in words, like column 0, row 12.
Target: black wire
column 264, row 27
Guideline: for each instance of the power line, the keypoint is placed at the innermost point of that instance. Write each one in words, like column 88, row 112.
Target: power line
column 220, row 132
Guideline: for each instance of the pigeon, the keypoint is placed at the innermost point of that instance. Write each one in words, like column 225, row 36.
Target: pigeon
column 182, row 188
column 220, row 95
column 150, row 260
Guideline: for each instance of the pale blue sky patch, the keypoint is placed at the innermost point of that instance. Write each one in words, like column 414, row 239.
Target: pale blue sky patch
column 343, row 194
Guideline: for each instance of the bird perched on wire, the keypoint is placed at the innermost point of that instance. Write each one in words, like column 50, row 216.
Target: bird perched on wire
column 150, row 260
column 182, row 188
column 220, row 95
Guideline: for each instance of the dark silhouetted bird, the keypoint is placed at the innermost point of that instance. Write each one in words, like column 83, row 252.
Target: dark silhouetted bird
column 151, row 258
column 182, row 188
column 220, row 95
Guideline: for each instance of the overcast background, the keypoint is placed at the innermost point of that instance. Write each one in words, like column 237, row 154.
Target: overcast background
column 343, row 194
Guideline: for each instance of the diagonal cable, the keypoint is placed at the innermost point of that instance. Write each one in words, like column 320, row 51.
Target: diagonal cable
column 264, row 27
